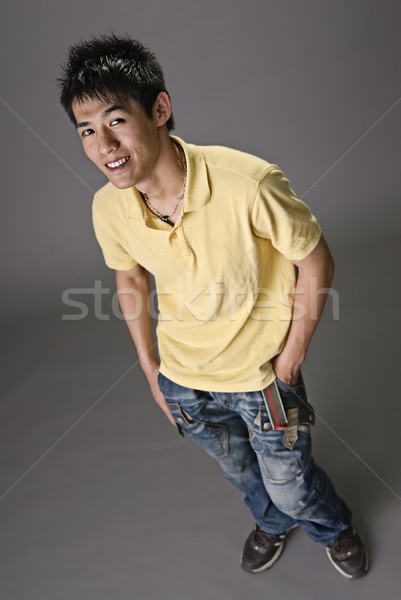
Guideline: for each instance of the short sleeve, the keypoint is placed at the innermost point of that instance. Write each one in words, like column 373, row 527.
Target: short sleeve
column 277, row 214
column 106, row 227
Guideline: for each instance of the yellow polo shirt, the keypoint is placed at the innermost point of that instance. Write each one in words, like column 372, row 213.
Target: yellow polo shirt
column 223, row 273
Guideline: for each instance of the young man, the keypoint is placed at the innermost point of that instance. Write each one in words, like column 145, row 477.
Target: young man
column 224, row 235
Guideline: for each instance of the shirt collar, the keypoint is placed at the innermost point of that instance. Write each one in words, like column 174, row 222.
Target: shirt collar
column 197, row 192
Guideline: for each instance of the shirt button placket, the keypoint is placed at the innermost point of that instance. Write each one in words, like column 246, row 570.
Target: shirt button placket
column 178, row 245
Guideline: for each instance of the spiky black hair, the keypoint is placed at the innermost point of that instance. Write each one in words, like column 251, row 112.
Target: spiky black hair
column 111, row 68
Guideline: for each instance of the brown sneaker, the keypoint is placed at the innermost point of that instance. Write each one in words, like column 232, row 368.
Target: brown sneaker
column 348, row 554
column 262, row 549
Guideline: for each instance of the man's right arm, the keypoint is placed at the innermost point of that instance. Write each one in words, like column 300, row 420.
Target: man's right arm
column 133, row 288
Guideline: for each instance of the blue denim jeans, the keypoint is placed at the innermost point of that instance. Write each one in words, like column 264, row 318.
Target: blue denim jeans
column 281, row 486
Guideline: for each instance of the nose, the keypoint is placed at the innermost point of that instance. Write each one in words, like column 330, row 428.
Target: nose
column 107, row 141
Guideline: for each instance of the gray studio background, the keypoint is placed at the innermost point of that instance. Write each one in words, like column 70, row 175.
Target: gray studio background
column 100, row 499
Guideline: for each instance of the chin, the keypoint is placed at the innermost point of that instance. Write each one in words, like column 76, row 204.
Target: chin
column 121, row 185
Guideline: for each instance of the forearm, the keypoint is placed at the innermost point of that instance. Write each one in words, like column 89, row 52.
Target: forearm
column 310, row 298
column 314, row 280
column 133, row 294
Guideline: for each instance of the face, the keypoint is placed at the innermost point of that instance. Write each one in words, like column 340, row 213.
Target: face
column 122, row 141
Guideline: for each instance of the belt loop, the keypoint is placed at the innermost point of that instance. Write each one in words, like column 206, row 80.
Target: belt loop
column 291, row 433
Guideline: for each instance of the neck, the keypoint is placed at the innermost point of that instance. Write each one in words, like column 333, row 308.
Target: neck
column 167, row 179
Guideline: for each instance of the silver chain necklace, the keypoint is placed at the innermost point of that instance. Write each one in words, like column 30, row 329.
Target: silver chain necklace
column 166, row 218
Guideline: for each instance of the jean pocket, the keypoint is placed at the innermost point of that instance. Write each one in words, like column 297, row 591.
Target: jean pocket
column 281, row 465
column 297, row 387
column 212, row 437
column 295, row 395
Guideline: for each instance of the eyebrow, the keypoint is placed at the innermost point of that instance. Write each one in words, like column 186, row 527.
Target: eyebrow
column 104, row 114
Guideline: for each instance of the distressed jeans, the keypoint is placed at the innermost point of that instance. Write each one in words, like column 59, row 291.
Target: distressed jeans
column 281, row 486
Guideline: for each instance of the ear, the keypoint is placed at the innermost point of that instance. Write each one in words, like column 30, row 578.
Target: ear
column 162, row 109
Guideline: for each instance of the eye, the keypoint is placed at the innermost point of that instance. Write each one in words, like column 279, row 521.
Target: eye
column 117, row 121
column 87, row 132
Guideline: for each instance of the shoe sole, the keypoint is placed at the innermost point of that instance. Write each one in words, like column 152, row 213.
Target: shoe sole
column 347, row 575
column 274, row 558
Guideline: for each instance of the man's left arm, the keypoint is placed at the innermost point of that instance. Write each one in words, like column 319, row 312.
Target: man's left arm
column 314, row 277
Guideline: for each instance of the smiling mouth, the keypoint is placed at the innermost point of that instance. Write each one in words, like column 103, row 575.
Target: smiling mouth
column 117, row 163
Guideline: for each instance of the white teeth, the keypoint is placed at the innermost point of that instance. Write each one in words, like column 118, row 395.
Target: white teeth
column 117, row 163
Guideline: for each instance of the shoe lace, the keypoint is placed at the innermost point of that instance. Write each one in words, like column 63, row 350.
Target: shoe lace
column 262, row 537
column 344, row 542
